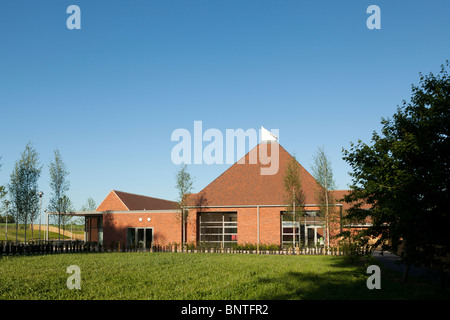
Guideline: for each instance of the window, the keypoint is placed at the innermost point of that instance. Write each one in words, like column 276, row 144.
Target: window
column 307, row 230
column 218, row 227
column 139, row 238
column 290, row 229
column 312, row 213
column 94, row 229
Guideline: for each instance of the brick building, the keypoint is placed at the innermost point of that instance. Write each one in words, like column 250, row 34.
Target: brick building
column 240, row 206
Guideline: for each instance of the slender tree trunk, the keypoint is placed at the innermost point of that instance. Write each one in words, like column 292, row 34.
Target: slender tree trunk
column 182, row 229
column 293, row 221
column 327, row 217
column 306, row 233
column 25, row 240
column 59, row 228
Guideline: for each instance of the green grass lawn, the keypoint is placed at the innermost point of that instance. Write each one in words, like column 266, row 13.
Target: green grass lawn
column 21, row 234
column 196, row 276
column 77, row 229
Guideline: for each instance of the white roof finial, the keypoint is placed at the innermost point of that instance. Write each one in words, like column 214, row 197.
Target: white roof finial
column 266, row 135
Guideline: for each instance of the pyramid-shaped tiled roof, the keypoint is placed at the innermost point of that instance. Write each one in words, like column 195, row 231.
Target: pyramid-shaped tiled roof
column 243, row 184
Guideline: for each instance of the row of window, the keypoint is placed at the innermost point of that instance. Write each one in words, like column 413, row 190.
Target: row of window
column 221, row 227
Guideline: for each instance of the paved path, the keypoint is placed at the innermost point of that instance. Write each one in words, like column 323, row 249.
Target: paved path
column 391, row 261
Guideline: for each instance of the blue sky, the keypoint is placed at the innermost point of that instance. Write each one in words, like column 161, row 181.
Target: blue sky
column 110, row 95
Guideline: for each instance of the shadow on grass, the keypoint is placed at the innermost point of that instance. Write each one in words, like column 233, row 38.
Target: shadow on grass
column 344, row 282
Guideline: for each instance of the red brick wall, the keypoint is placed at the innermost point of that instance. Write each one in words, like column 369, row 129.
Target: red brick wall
column 269, row 224
column 166, row 226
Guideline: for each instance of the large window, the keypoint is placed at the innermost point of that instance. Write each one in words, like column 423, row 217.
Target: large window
column 305, row 230
column 218, row 227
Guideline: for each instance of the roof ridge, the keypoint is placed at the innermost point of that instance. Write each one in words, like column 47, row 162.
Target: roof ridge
column 141, row 195
column 238, row 182
column 115, row 192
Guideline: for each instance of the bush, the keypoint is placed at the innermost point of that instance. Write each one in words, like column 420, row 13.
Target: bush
column 10, row 219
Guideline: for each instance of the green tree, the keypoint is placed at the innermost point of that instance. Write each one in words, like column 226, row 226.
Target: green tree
column 323, row 173
column 67, row 206
column 2, row 195
column 404, row 174
column 184, row 182
column 59, row 202
column 294, row 196
column 90, row 205
column 2, row 188
column 23, row 187
column 9, row 216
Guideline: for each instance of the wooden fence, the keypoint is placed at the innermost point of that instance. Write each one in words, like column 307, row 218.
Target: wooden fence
column 11, row 248
column 338, row 251
column 55, row 247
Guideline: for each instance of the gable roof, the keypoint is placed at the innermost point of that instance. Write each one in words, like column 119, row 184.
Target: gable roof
column 124, row 201
column 243, row 184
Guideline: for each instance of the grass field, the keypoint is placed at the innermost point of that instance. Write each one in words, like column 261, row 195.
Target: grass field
column 21, row 232
column 178, row 276
column 21, row 235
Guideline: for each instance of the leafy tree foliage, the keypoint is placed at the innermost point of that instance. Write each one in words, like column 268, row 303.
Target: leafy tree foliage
column 23, row 187
column 89, row 206
column 2, row 188
column 10, row 218
column 404, row 174
column 59, row 202
column 184, row 182
column 293, row 193
column 293, row 185
column 323, row 173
